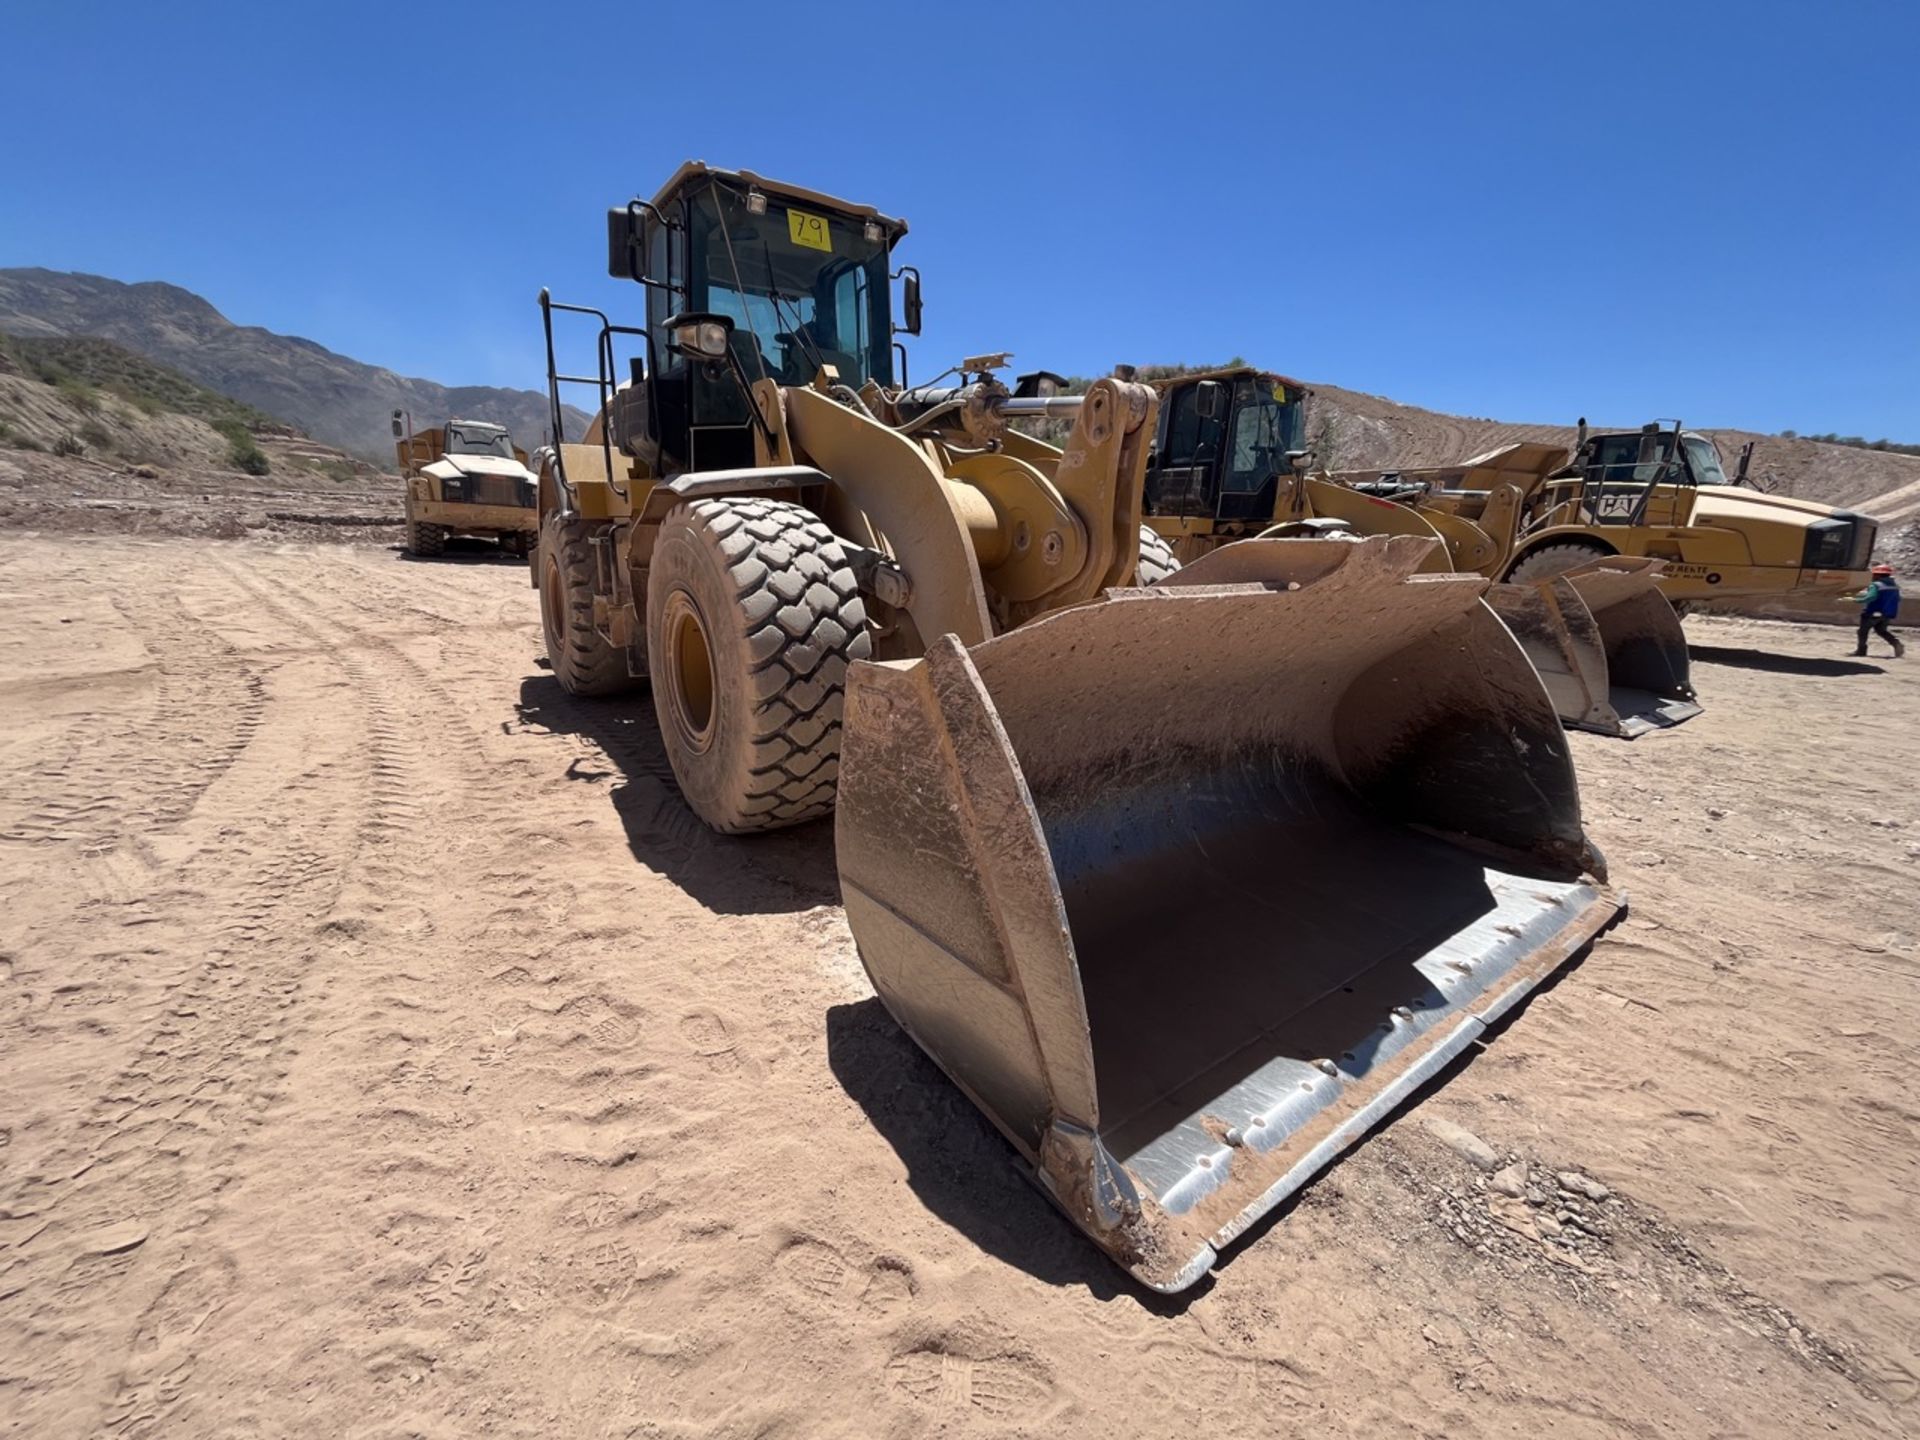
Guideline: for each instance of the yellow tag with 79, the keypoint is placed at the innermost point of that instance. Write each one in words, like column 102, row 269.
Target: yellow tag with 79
column 809, row 230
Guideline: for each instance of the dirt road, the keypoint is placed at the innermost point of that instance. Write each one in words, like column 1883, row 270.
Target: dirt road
column 386, row 1052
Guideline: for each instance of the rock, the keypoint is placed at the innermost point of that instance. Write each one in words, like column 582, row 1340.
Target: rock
column 1511, row 1181
column 1546, row 1225
column 1463, row 1142
column 1575, row 1183
column 1714, row 812
column 115, row 1238
column 1535, row 1195
column 1648, row 858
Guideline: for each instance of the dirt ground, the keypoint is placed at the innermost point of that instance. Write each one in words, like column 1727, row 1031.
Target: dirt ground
column 384, row 1051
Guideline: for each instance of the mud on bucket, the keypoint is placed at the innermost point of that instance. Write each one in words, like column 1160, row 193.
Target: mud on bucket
column 1186, row 888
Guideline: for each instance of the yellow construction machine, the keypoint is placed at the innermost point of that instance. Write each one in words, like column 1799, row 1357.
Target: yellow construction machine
column 464, row 478
column 1228, row 461
column 1186, row 886
column 1528, row 511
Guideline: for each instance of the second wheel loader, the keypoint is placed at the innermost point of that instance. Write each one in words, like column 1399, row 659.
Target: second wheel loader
column 1185, row 885
column 1226, row 463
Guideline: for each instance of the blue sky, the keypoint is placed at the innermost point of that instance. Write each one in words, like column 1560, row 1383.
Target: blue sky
column 1522, row 210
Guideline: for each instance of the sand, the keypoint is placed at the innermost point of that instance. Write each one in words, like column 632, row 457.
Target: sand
column 384, row 1051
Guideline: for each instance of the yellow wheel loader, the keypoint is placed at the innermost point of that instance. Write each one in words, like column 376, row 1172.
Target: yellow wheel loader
column 464, row 478
column 1186, row 885
column 1226, row 463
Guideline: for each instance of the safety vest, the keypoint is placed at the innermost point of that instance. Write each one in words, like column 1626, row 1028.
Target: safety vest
column 1885, row 599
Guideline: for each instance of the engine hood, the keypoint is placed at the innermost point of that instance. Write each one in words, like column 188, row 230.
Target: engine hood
column 1734, row 502
column 452, row 467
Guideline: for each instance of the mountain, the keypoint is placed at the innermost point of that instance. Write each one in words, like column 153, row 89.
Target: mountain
column 335, row 399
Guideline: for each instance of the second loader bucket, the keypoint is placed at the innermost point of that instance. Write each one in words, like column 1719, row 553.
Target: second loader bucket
column 1188, row 887
column 1607, row 644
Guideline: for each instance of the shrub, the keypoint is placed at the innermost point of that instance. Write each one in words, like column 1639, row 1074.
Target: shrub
column 69, row 445
column 80, row 393
column 97, row 435
column 27, row 442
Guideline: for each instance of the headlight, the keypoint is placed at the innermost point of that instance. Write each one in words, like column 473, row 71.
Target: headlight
column 1829, row 544
column 705, row 338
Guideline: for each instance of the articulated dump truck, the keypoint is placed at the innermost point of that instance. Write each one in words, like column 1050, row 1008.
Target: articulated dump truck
column 464, row 478
column 1227, row 463
column 1187, row 884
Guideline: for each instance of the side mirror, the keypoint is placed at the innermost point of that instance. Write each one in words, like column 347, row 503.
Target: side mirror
column 397, row 431
column 1299, row 460
column 1210, row 399
column 909, row 302
column 626, row 246
column 1746, row 459
column 700, row 335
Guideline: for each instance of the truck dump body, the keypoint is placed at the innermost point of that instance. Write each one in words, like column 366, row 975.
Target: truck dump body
column 1188, row 887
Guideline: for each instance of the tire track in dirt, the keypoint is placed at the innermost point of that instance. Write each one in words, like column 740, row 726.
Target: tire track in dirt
column 130, row 1196
column 149, row 770
column 118, row 1204
column 408, row 889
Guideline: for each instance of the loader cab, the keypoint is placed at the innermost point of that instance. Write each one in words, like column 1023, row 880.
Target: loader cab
column 1221, row 447
column 799, row 282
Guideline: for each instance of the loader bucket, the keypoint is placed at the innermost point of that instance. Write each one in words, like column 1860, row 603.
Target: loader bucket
column 1188, row 887
column 1607, row 645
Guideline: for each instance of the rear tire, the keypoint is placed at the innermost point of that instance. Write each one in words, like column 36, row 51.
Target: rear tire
column 583, row 662
column 1556, row 559
column 753, row 616
column 425, row 540
column 1157, row 560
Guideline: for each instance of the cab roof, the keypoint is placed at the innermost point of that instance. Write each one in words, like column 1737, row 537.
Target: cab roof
column 697, row 169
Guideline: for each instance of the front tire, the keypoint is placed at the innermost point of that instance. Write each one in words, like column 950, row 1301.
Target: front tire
column 425, row 540
column 583, row 662
column 1157, row 560
column 753, row 616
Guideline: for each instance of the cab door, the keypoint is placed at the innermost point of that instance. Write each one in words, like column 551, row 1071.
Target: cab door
column 1185, row 476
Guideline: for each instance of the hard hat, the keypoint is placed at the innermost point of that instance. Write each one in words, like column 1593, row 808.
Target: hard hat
column 1883, row 569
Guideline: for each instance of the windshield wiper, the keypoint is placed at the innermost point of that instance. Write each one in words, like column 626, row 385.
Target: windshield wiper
column 773, row 290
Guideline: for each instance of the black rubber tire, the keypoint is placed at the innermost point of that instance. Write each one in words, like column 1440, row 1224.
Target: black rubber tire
column 1555, row 559
column 583, row 662
column 763, row 590
column 425, row 540
column 1156, row 558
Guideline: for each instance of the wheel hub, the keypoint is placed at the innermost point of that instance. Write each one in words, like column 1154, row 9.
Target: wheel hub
column 690, row 670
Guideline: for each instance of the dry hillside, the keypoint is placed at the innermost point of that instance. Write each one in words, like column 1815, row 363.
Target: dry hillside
column 95, row 439
column 334, row 398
